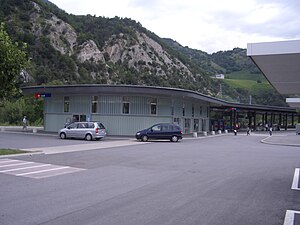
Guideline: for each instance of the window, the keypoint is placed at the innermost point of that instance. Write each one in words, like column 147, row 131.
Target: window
column 125, row 109
column 94, row 104
column 187, row 125
column 193, row 110
column 183, row 109
column 176, row 121
column 156, row 128
column 196, row 125
column 200, row 111
column 203, row 125
column 79, row 118
column 66, row 104
column 153, row 106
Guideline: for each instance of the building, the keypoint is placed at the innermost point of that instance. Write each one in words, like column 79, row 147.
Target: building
column 219, row 76
column 280, row 64
column 125, row 109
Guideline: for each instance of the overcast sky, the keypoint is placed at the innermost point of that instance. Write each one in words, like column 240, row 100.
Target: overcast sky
column 207, row 25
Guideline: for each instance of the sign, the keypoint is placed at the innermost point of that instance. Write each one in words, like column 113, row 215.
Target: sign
column 42, row 95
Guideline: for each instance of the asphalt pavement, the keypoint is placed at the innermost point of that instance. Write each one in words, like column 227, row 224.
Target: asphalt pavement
column 217, row 180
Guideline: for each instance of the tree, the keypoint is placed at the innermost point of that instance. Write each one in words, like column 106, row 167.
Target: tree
column 12, row 60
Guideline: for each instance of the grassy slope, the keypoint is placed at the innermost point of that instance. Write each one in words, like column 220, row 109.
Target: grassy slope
column 246, row 75
column 247, row 81
column 250, row 85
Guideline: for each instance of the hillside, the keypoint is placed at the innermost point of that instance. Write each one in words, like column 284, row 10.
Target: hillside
column 69, row 49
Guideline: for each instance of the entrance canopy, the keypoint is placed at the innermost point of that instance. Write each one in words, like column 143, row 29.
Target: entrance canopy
column 280, row 63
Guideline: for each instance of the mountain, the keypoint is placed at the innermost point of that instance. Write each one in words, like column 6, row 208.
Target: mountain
column 69, row 49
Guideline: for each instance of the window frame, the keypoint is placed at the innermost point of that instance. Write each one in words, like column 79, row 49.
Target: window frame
column 94, row 104
column 153, row 106
column 125, row 105
column 66, row 104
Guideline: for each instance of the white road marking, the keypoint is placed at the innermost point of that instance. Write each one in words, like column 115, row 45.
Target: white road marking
column 289, row 217
column 23, row 168
column 34, row 170
column 42, row 171
column 7, row 160
column 17, row 164
column 295, row 184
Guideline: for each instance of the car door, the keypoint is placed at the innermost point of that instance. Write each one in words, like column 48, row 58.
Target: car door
column 154, row 132
column 71, row 130
column 165, row 131
column 81, row 130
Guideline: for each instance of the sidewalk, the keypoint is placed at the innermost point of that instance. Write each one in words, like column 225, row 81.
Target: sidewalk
column 29, row 129
column 287, row 139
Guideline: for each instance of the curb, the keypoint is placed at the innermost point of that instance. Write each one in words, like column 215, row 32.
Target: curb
column 274, row 143
column 21, row 154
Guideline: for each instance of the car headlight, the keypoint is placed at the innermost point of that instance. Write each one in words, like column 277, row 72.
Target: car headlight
column 138, row 133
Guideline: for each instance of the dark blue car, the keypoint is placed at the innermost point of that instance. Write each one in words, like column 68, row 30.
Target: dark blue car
column 168, row 131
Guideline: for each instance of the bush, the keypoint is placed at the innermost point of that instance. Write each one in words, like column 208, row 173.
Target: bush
column 13, row 111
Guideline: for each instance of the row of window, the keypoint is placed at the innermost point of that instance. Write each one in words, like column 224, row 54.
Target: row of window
column 126, row 106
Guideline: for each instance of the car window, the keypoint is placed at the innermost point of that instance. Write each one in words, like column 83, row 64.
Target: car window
column 156, row 128
column 82, row 125
column 176, row 128
column 91, row 125
column 101, row 126
column 165, row 128
column 72, row 125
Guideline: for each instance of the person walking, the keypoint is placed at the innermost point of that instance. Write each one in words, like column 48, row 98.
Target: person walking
column 24, row 121
column 271, row 131
column 248, row 130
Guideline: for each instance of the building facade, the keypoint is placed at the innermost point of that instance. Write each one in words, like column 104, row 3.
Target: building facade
column 123, row 109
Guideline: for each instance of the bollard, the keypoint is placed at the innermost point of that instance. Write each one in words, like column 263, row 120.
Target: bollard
column 219, row 132
column 226, row 131
column 195, row 134
column 213, row 133
column 34, row 130
column 2, row 129
column 204, row 133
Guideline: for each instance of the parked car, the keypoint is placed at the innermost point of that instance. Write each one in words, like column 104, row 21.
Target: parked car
column 160, row 131
column 83, row 130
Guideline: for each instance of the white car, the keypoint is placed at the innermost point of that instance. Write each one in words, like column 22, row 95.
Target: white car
column 83, row 130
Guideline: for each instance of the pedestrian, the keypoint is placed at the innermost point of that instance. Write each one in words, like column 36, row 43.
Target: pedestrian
column 248, row 130
column 271, row 131
column 235, row 131
column 267, row 127
column 236, row 126
column 24, row 121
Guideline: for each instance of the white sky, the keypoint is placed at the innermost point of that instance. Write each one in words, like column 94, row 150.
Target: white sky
column 207, row 25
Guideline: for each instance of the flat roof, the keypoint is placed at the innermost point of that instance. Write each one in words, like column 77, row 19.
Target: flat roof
column 146, row 91
column 279, row 62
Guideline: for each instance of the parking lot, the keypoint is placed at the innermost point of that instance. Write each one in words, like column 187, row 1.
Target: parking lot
column 224, row 179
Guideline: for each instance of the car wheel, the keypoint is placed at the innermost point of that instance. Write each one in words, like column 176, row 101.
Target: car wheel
column 174, row 138
column 88, row 137
column 62, row 135
column 145, row 138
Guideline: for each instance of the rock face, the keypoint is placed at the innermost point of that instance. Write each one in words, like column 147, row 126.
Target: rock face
column 139, row 53
column 90, row 52
column 102, row 50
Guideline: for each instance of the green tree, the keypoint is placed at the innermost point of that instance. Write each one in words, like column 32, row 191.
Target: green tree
column 12, row 59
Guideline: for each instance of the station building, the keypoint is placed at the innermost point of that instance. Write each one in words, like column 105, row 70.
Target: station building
column 125, row 109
